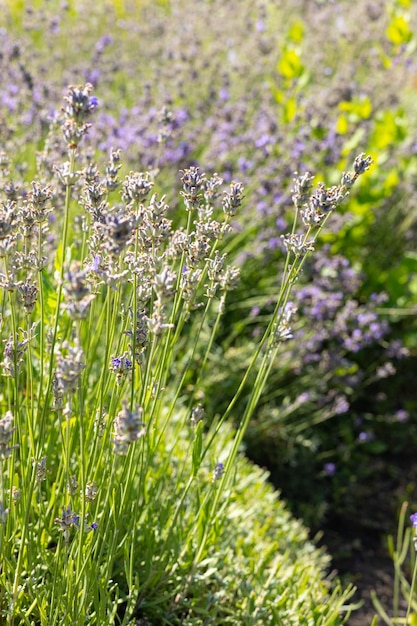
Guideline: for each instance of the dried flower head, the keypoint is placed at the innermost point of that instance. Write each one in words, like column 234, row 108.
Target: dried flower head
column 79, row 104
column 136, row 186
column 298, row 244
column 8, row 212
column 77, row 292
column 193, row 182
column 14, row 350
column 232, row 199
column 197, row 414
column 128, row 428
column 40, row 469
column 283, row 331
column 70, row 364
column 67, row 520
column 91, row 491
column 6, row 433
column 217, row 472
column 28, row 292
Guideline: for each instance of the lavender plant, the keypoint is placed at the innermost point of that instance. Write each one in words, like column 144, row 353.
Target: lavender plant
column 402, row 552
column 116, row 501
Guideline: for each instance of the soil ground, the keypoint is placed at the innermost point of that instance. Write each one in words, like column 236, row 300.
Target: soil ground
column 358, row 544
column 370, row 569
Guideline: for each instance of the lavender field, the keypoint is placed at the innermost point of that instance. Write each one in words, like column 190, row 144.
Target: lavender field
column 208, row 282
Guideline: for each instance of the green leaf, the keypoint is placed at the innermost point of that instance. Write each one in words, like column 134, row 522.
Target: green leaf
column 290, row 65
column 197, row 447
column 389, row 129
column 398, row 31
column 296, row 32
column 50, row 294
column 290, row 109
column 342, row 124
column 358, row 108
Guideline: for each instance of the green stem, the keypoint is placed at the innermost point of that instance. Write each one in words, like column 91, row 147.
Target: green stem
column 60, row 285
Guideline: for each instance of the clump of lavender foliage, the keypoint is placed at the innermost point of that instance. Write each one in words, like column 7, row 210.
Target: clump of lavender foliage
column 111, row 312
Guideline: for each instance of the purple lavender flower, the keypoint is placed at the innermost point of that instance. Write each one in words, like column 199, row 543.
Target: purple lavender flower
column 121, row 366
column 66, row 521
column 217, row 472
column 79, row 102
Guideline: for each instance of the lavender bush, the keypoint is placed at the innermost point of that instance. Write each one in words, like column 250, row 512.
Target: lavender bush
column 115, row 500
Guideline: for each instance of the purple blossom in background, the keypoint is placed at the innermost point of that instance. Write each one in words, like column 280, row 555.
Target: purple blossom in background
column 102, row 43
column 304, row 397
column 317, row 304
column 341, row 405
column 329, row 469
column 298, row 149
column 224, row 94
column 281, row 225
column 329, row 298
column 92, row 76
column 244, row 164
column 55, row 25
column 401, row 416
column 365, row 437
column 9, row 98
column 263, row 208
column 254, row 312
column 263, row 141
column 274, row 242
column 396, row 350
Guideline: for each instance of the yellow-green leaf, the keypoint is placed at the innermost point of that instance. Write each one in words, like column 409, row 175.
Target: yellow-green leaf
column 406, row 4
column 290, row 109
column 359, row 108
column 296, row 32
column 290, row 65
column 398, row 31
column 389, row 129
column 342, row 124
